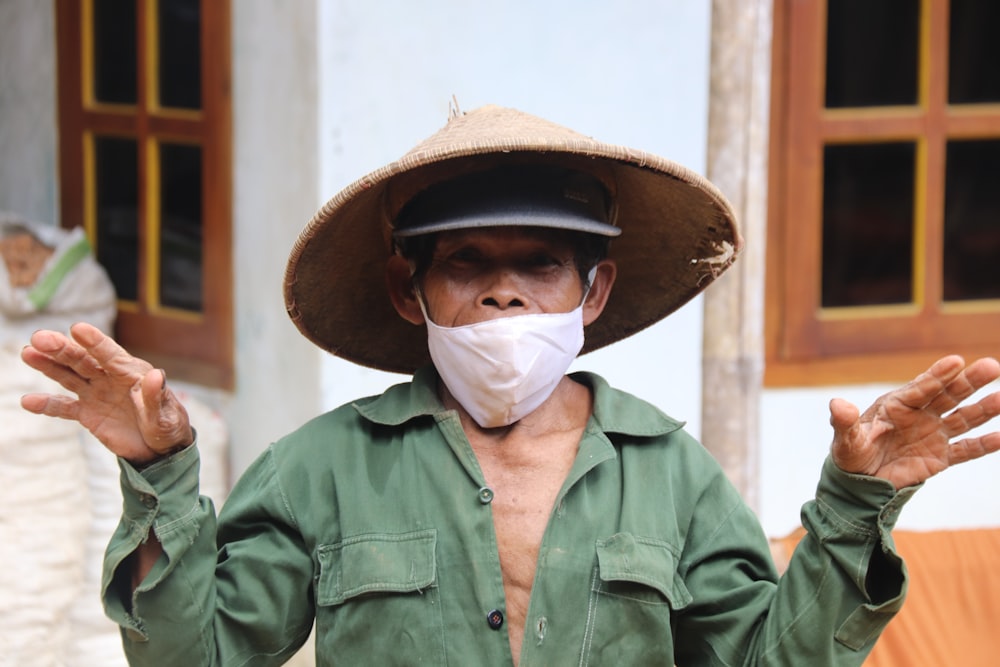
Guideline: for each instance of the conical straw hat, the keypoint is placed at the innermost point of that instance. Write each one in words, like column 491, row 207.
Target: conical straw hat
column 678, row 234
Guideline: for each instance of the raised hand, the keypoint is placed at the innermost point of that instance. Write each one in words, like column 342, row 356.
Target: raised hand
column 908, row 435
column 121, row 399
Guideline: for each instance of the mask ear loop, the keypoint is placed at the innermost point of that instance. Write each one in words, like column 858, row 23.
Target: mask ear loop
column 590, row 283
column 423, row 306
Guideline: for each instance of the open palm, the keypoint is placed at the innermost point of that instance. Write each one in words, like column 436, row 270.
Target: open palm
column 119, row 398
column 908, row 435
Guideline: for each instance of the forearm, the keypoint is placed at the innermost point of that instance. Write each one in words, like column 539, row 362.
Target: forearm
column 143, row 559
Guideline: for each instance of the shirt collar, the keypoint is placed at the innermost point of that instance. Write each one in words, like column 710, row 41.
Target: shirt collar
column 402, row 402
column 615, row 411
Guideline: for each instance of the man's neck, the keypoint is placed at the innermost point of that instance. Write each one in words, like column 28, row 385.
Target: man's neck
column 566, row 410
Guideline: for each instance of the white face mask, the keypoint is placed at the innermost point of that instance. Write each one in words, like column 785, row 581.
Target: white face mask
column 501, row 370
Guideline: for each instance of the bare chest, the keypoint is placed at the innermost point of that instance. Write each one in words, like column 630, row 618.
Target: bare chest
column 525, row 493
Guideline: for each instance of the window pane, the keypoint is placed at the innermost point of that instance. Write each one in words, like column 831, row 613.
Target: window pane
column 972, row 221
column 114, row 51
column 868, row 224
column 180, row 53
column 180, row 226
column 973, row 52
column 872, row 52
column 117, row 194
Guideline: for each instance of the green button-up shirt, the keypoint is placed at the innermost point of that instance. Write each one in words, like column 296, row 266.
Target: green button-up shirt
column 374, row 520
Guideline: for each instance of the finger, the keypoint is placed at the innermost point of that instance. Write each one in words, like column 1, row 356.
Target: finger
column 928, row 390
column 969, row 417
column 973, row 448
column 41, row 362
column 51, row 405
column 983, row 371
column 111, row 356
column 973, row 378
column 66, row 352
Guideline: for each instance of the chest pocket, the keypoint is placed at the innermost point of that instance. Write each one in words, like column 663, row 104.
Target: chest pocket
column 642, row 569
column 635, row 591
column 377, row 599
column 381, row 562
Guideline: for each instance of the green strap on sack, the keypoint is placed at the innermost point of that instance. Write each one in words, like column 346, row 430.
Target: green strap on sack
column 45, row 289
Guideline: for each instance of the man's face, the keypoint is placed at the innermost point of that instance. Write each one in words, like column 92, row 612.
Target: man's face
column 479, row 275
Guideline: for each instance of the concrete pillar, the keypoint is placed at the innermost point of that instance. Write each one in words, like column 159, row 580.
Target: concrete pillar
column 733, row 349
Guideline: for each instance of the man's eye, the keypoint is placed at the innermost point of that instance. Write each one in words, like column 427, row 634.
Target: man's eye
column 542, row 261
column 465, row 256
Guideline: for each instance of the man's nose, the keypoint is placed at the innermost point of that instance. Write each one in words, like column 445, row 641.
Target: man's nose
column 503, row 291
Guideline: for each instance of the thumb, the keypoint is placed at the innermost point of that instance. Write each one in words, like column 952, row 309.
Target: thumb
column 153, row 388
column 847, row 448
column 844, row 416
column 165, row 415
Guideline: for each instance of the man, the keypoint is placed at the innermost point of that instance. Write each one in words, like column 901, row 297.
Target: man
column 494, row 510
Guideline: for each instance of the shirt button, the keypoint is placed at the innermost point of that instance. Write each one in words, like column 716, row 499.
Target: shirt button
column 495, row 619
column 486, row 496
column 148, row 500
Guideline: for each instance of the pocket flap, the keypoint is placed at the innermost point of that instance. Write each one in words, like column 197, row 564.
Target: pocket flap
column 377, row 562
column 641, row 560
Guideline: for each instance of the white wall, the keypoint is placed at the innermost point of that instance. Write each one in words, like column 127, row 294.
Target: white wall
column 796, row 438
column 28, row 125
column 634, row 73
column 275, row 166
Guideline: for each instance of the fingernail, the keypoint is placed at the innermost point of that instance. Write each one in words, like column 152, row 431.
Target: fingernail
column 163, row 373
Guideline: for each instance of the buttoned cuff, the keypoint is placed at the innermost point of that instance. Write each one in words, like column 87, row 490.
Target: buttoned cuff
column 162, row 494
column 859, row 503
column 852, row 518
column 162, row 498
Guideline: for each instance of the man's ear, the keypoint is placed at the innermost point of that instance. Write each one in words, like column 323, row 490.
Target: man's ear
column 600, row 289
column 401, row 290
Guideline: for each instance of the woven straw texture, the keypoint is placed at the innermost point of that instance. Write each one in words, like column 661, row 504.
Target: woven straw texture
column 678, row 234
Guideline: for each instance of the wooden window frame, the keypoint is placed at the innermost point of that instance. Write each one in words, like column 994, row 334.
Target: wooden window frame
column 196, row 347
column 806, row 344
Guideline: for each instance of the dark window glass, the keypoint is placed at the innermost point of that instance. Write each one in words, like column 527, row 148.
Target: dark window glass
column 180, row 226
column 974, row 52
column 868, row 224
column 180, row 53
column 872, row 52
column 114, row 42
column 117, row 194
column 972, row 221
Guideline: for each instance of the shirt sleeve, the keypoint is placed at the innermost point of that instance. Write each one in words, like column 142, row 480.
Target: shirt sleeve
column 843, row 585
column 195, row 607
